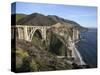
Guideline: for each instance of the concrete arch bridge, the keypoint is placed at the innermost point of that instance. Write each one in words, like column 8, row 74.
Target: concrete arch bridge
column 26, row 32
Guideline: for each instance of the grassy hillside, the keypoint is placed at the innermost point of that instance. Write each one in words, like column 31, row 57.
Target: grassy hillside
column 20, row 16
column 44, row 20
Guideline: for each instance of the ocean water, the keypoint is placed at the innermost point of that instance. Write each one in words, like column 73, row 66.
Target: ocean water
column 88, row 47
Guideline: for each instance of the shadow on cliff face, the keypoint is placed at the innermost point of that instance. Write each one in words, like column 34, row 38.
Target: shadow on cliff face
column 56, row 46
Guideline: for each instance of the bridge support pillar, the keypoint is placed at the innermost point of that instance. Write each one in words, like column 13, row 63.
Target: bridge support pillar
column 26, row 34
column 20, row 33
column 44, row 33
column 70, row 48
column 75, row 35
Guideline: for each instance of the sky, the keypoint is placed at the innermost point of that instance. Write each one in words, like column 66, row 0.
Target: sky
column 84, row 15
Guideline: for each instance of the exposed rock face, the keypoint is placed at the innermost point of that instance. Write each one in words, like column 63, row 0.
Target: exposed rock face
column 35, row 59
column 62, row 29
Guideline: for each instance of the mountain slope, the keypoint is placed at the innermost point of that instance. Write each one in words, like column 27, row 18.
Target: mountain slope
column 38, row 19
column 18, row 16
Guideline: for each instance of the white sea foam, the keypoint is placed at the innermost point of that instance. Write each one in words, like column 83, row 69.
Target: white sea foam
column 78, row 57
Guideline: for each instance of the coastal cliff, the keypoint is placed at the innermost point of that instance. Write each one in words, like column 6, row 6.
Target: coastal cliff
column 57, row 52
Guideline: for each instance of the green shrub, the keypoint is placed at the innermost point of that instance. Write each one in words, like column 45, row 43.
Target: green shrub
column 20, row 56
column 21, row 53
column 19, row 62
column 33, row 65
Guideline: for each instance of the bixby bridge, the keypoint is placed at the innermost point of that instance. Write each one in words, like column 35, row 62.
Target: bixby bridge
column 26, row 32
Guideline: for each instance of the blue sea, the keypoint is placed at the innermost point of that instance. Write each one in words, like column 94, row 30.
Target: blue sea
column 88, row 47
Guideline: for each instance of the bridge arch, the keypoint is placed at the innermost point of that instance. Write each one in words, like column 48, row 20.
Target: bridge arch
column 41, row 32
column 37, row 33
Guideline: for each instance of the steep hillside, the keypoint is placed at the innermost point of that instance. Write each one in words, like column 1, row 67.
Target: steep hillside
column 38, row 19
column 18, row 16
